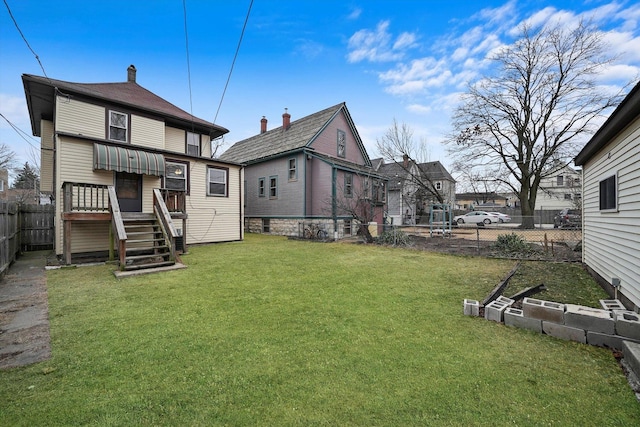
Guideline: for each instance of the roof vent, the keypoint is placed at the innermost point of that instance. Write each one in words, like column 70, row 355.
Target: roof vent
column 131, row 74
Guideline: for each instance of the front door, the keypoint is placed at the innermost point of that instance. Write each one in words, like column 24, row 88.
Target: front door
column 129, row 191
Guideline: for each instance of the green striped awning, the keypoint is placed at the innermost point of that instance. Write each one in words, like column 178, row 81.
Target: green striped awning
column 122, row 159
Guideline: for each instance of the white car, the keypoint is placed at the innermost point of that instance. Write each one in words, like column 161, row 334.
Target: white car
column 501, row 217
column 476, row 217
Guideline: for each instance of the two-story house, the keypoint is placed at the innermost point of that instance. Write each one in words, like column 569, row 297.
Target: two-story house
column 130, row 173
column 560, row 189
column 311, row 170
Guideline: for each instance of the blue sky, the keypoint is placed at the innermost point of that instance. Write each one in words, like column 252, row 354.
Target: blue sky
column 403, row 60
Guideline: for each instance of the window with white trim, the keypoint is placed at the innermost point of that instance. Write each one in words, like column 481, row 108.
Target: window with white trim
column 438, row 185
column 608, row 194
column 118, row 126
column 193, row 144
column 273, row 187
column 217, row 181
column 175, row 176
column 293, row 173
column 348, row 185
column 261, row 187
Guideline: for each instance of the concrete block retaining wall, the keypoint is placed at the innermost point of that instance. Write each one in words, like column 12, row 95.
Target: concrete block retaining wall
column 600, row 327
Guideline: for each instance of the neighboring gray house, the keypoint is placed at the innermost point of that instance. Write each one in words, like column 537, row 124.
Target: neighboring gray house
column 305, row 171
column 611, row 201
column 561, row 189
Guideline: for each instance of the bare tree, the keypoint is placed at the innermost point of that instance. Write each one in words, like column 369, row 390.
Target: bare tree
column 398, row 145
column 8, row 158
column 535, row 110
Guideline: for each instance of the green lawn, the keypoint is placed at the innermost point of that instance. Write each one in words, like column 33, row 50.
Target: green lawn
column 275, row 332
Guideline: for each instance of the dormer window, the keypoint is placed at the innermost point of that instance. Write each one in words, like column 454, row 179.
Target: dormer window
column 118, row 126
column 193, row 144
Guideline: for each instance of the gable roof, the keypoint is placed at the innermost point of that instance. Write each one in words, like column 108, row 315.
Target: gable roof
column 300, row 134
column 40, row 93
column 435, row 170
column 628, row 110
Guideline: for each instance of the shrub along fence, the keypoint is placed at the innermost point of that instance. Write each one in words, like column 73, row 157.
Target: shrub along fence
column 24, row 228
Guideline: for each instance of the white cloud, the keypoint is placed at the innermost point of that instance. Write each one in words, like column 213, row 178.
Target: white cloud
column 377, row 45
column 355, row 14
column 14, row 108
column 419, row 109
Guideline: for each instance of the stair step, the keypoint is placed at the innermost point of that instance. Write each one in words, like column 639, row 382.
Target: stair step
column 157, row 239
column 134, row 258
column 149, row 265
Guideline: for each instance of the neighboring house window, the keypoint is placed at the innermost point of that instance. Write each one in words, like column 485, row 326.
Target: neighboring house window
column 608, row 199
column 293, row 174
column 260, row 187
column 175, row 176
column 347, row 227
column 365, row 188
column 266, row 225
column 567, row 196
column 1, row 185
column 193, row 144
column 348, row 185
column 216, row 181
column 273, row 187
column 342, row 144
column 560, row 181
column 118, row 125
column 438, row 185
column 378, row 191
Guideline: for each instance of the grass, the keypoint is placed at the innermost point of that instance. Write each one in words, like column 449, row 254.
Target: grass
column 276, row 332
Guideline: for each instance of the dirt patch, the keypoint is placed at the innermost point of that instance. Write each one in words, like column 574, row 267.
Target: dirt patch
column 24, row 313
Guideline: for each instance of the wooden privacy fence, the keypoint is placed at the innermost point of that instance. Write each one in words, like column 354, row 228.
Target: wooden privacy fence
column 24, row 228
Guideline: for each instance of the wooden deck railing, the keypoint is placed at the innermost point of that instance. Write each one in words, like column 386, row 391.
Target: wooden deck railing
column 82, row 197
column 175, row 200
column 118, row 232
column 166, row 223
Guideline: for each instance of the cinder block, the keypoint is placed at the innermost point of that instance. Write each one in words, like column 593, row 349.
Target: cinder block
column 543, row 310
column 589, row 319
column 631, row 353
column 494, row 311
column 508, row 301
column 627, row 324
column 604, row 340
column 515, row 317
column 564, row 332
column 471, row 307
column 612, row 304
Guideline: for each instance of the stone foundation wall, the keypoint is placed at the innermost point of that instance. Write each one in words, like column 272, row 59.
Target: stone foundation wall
column 293, row 227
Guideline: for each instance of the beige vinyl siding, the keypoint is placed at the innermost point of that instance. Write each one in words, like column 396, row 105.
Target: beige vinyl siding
column 612, row 239
column 205, row 146
column 147, row 132
column 213, row 219
column 174, row 139
column 80, row 118
column 46, row 156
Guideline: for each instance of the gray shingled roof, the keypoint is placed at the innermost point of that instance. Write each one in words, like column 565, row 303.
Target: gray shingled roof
column 435, row 171
column 300, row 134
column 40, row 92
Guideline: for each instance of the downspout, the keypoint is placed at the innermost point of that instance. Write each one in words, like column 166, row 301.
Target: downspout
column 241, row 203
column 334, row 177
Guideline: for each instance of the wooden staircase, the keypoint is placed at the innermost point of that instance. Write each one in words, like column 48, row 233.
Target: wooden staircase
column 146, row 245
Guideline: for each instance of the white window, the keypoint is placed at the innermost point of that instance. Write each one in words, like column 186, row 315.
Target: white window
column 342, row 144
column 560, row 181
column 217, row 181
column 193, row 144
column 175, row 176
column 293, row 174
column 273, row 187
column 1, row 185
column 608, row 194
column 438, row 185
column 118, row 125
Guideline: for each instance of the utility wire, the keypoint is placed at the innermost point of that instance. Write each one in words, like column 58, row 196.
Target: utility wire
column 233, row 62
column 25, row 40
column 186, row 39
column 20, row 132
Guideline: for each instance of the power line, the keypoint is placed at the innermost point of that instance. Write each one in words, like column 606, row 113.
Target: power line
column 233, row 62
column 25, row 40
column 20, row 132
column 186, row 38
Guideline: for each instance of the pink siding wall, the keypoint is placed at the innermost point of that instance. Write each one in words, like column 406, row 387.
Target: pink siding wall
column 327, row 141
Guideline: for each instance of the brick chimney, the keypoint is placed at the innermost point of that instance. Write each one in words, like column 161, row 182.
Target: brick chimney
column 286, row 119
column 131, row 74
column 405, row 161
column 263, row 124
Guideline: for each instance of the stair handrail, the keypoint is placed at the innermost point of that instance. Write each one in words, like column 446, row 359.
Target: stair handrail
column 117, row 225
column 166, row 223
